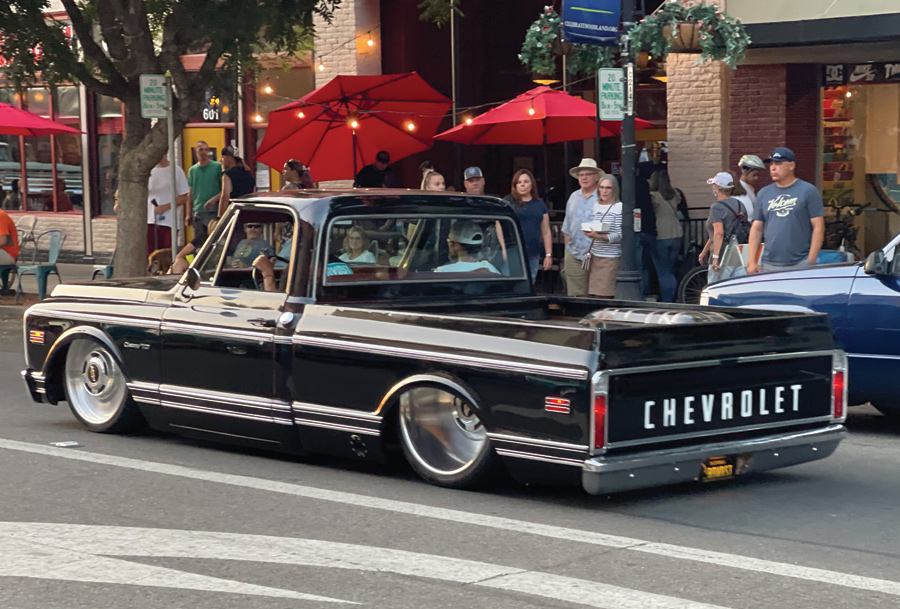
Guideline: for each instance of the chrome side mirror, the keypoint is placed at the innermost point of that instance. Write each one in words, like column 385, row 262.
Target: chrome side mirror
column 876, row 264
column 191, row 278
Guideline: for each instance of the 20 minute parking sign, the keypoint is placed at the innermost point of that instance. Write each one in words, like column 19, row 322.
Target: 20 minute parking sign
column 153, row 96
column 612, row 94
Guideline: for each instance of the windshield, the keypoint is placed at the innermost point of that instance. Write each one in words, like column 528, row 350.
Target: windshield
column 420, row 248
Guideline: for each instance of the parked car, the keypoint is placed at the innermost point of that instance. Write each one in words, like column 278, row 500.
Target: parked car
column 395, row 324
column 863, row 300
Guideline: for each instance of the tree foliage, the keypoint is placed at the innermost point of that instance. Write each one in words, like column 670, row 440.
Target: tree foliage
column 118, row 40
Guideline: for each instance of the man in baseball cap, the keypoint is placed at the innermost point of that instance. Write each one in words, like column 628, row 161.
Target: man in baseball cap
column 789, row 214
column 474, row 181
column 465, row 242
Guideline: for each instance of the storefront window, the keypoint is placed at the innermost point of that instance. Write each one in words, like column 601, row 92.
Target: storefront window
column 110, row 128
column 860, row 155
column 69, row 162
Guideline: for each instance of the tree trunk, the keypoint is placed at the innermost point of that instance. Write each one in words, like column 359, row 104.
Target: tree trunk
column 142, row 148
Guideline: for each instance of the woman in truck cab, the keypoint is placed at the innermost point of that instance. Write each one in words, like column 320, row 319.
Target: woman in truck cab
column 356, row 247
column 465, row 241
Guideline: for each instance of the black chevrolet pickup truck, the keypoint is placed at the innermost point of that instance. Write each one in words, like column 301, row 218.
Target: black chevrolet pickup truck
column 375, row 322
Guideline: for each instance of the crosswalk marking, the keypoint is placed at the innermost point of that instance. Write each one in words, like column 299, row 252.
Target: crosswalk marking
column 78, row 552
column 735, row 561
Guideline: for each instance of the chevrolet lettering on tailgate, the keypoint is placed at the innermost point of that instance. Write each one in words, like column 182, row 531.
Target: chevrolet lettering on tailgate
column 425, row 301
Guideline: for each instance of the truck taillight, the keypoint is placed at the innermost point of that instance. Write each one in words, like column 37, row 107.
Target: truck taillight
column 599, row 421
column 839, row 386
column 600, row 391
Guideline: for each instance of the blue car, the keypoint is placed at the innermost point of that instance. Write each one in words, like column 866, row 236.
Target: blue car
column 863, row 300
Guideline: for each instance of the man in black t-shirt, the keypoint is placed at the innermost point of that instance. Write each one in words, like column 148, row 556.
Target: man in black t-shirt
column 378, row 174
column 237, row 180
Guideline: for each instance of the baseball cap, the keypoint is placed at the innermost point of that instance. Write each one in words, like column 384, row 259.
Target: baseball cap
column 751, row 161
column 472, row 172
column 781, row 154
column 229, row 151
column 466, row 232
column 722, row 180
column 383, row 156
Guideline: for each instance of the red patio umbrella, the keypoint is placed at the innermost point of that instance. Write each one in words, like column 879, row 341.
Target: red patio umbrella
column 539, row 116
column 20, row 122
column 395, row 112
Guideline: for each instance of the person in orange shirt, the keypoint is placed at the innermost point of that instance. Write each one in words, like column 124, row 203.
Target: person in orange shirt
column 9, row 239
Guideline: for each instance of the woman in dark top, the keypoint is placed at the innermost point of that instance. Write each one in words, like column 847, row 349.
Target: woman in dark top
column 237, row 181
column 535, row 220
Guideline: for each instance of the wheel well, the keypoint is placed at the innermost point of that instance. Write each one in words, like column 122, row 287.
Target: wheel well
column 54, row 372
column 389, row 407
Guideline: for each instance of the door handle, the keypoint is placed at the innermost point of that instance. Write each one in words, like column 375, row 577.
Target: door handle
column 263, row 323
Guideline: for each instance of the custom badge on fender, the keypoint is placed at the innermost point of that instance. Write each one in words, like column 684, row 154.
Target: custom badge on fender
column 36, row 337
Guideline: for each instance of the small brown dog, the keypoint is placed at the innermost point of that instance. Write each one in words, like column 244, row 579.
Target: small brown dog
column 159, row 262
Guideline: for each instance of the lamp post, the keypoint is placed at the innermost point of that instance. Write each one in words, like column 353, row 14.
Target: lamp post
column 628, row 282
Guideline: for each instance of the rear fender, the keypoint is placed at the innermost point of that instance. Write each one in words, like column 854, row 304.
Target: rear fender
column 56, row 357
column 389, row 406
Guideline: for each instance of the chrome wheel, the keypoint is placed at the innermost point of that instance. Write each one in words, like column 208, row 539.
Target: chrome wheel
column 442, row 435
column 95, row 386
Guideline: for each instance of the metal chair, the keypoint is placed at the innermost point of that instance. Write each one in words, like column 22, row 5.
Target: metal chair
column 104, row 271
column 25, row 228
column 56, row 239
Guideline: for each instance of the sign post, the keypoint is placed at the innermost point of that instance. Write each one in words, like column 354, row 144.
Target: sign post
column 157, row 102
column 628, row 280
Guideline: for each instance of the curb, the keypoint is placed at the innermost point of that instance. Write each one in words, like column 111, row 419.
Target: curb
column 11, row 311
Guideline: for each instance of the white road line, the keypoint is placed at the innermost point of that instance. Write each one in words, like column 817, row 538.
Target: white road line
column 89, row 543
column 42, row 560
column 507, row 524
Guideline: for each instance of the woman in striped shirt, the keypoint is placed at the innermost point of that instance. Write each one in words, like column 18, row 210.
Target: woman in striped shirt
column 606, row 247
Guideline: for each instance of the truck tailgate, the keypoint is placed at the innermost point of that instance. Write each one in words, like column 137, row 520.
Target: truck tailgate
column 702, row 402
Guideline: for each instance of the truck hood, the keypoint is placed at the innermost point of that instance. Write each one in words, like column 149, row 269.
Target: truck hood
column 133, row 289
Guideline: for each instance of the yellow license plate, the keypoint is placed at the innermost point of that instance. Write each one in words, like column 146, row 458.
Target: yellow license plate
column 717, row 468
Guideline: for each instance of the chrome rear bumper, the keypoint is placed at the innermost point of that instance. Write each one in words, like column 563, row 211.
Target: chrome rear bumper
column 611, row 474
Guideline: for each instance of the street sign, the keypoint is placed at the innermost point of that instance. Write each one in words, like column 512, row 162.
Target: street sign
column 591, row 21
column 153, row 96
column 612, row 94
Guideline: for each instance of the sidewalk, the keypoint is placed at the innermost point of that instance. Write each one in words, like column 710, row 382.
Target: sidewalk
column 69, row 273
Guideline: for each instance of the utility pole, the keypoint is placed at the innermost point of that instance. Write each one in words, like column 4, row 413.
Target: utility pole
column 628, row 282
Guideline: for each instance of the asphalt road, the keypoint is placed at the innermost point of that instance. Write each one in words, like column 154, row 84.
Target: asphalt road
column 158, row 521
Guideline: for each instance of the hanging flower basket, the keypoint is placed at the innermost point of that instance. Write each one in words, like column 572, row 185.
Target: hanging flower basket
column 683, row 37
column 544, row 43
column 684, row 26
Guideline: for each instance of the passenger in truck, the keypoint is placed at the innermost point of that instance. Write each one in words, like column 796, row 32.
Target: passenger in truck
column 465, row 242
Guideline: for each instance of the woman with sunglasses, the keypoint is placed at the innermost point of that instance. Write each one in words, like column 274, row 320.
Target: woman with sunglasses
column 606, row 247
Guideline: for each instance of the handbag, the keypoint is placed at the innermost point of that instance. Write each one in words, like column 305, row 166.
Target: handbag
column 586, row 261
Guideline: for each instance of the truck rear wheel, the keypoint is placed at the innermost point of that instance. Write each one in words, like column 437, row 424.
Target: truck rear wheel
column 443, row 439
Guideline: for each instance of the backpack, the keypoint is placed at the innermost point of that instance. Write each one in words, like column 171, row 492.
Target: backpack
column 741, row 228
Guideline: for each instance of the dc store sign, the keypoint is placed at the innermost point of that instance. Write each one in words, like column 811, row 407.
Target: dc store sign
column 591, row 21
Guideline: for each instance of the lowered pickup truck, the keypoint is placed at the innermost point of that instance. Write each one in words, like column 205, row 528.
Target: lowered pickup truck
column 387, row 321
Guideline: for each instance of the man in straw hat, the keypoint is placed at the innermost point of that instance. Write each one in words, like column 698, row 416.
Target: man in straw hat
column 579, row 209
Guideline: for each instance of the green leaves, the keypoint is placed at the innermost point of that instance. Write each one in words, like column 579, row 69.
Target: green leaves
column 722, row 37
column 543, row 43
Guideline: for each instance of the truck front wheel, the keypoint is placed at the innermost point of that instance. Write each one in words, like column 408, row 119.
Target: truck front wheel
column 443, row 439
